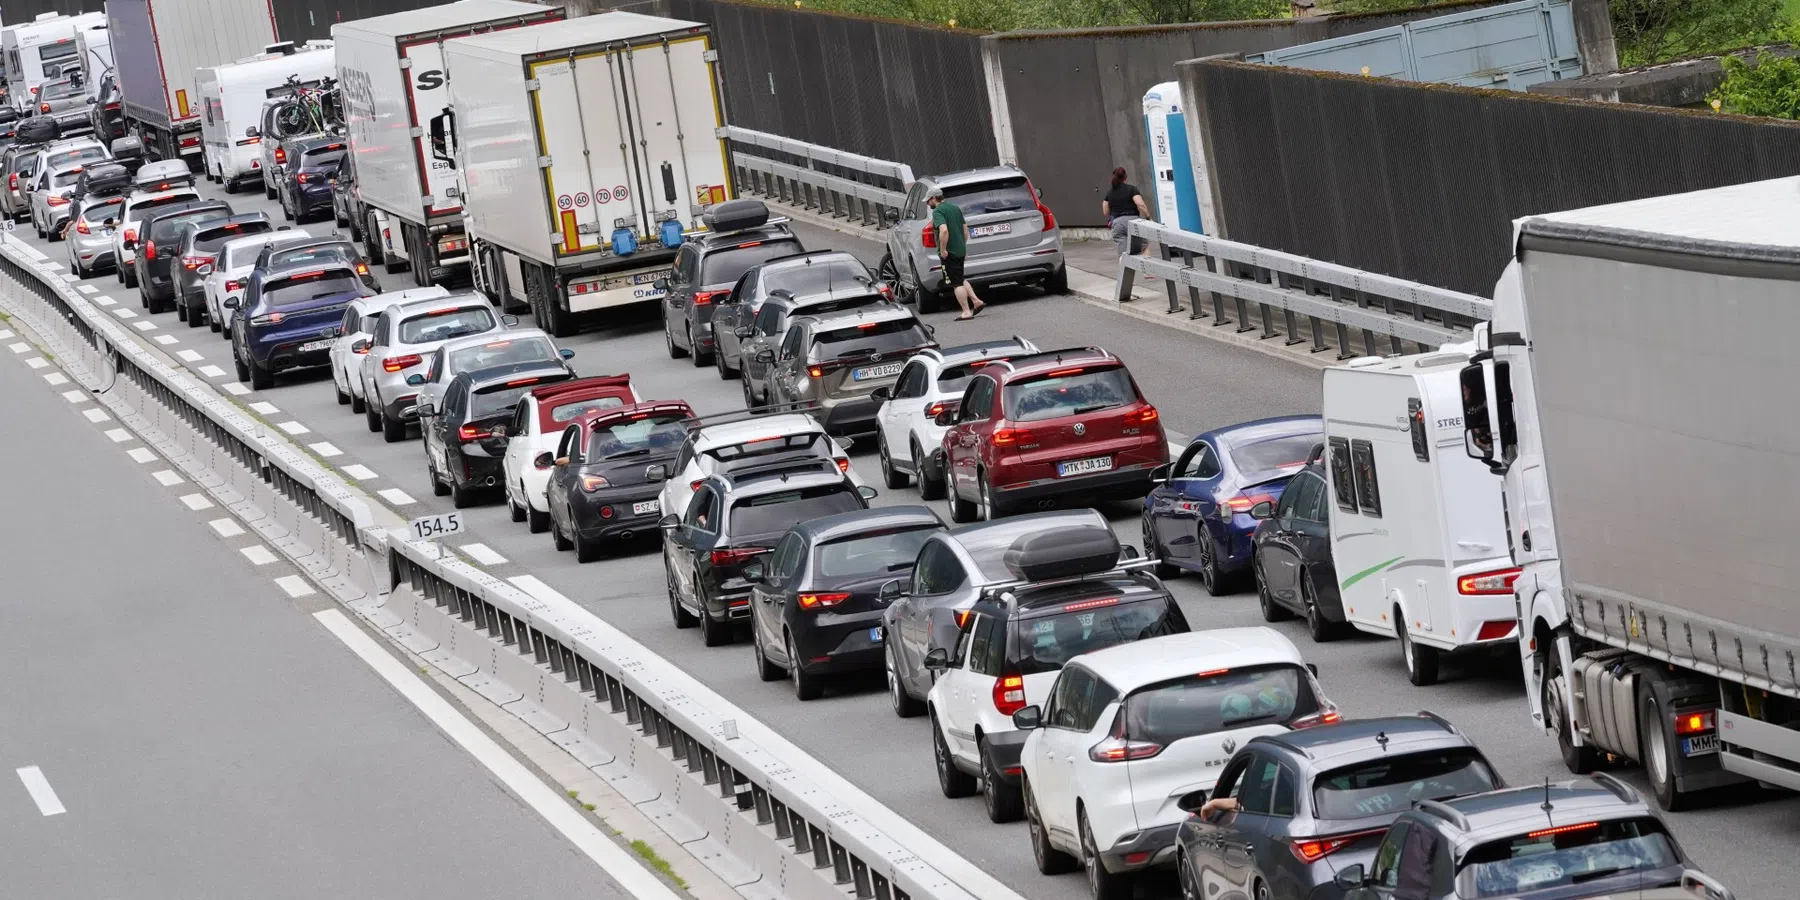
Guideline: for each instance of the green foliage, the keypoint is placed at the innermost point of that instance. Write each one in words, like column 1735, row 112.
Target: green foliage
column 1770, row 87
column 1650, row 31
column 1012, row 15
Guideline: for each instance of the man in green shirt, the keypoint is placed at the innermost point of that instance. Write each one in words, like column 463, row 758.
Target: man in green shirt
column 953, row 247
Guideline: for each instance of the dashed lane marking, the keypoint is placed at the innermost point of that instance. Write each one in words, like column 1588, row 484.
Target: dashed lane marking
column 56, row 379
column 326, row 449
column 167, row 339
column 119, row 435
column 20, row 347
column 197, row 502
column 87, row 289
column 5, row 333
column 226, row 528
column 41, row 792
column 212, row 371
column 166, row 478
column 141, row 454
column 145, row 326
column 295, row 586
column 105, row 301
column 264, row 407
column 190, row 356
column 294, row 428
column 37, row 362
column 124, row 313
column 75, row 396
column 483, row 554
column 396, row 496
column 258, row 555
column 360, row 472
column 236, row 389
column 96, row 416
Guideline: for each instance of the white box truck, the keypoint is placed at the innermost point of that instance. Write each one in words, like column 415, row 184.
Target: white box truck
column 392, row 76
column 1635, row 394
column 158, row 45
column 232, row 97
column 586, row 150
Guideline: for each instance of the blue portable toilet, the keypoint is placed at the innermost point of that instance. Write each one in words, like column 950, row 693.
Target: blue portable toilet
column 1177, row 202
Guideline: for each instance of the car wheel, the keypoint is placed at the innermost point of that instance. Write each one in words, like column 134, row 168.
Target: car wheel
column 683, row 618
column 1321, row 629
column 1210, row 576
column 1184, row 878
column 1004, row 802
column 960, row 510
column 1163, row 569
column 1579, row 760
column 231, row 185
column 1058, row 282
column 905, row 705
column 749, row 398
column 261, row 378
column 358, row 404
column 372, row 415
column 586, row 551
column 463, row 496
column 212, row 323
column 1050, row 861
column 726, row 373
column 1103, row 885
column 893, row 479
column 806, row 687
column 536, row 522
column 514, row 510
column 990, row 508
column 393, row 430
column 343, row 399
column 268, row 192
column 131, row 279
column 1271, row 610
column 243, row 371
column 1421, row 661
column 438, row 487
column 371, row 241
column 700, row 359
column 954, row 782
column 181, row 312
column 930, row 488
column 765, row 670
column 713, row 633
column 669, row 340
column 562, row 544
column 196, row 316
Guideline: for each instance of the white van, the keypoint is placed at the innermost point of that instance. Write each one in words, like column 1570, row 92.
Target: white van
column 93, row 43
column 40, row 50
column 1418, row 535
column 232, row 97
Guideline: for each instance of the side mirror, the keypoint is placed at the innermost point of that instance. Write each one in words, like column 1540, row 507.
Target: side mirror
column 93, row 100
column 204, row 269
column 426, row 410
column 1349, row 878
column 566, row 353
column 868, row 493
column 669, row 522
column 1263, row 510
column 890, row 217
column 1191, row 801
column 543, row 460
column 930, row 330
column 754, row 572
column 130, row 244
column 1160, row 474
column 880, row 394
column 110, row 223
column 1127, row 553
column 1473, row 444
column 765, row 356
column 561, row 462
column 233, row 302
column 361, row 346
column 937, row 658
column 1028, row 718
column 1313, row 668
column 509, row 321
column 744, row 332
column 656, row 473
column 947, row 417
column 415, row 379
column 890, row 590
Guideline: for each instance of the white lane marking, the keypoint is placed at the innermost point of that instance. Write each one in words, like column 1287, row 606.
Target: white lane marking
column 124, row 313
column 5, row 333
column 166, row 478
column 483, row 554
column 211, row 371
column 295, row 586
column 52, row 265
column 258, row 555
column 56, row 379
column 190, row 356
column 294, row 428
column 37, row 362
column 145, row 326
column 396, row 496
column 105, row 301
column 141, row 454
column 264, row 407
column 197, row 502
column 577, row 828
column 75, row 396
column 531, row 584
column 236, row 390
column 167, row 339
column 96, row 416
column 87, row 289
column 41, row 792
column 119, row 435
column 360, row 472
column 71, row 277
column 226, row 527
column 20, row 347
column 326, row 449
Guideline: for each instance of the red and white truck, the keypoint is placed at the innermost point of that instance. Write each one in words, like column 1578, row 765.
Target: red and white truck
column 158, row 44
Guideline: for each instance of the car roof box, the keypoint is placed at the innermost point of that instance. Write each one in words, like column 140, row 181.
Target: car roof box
column 737, row 215
column 1063, row 553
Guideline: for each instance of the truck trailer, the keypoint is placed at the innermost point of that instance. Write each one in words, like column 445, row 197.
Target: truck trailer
column 586, row 151
column 157, row 47
column 392, row 75
column 1633, row 395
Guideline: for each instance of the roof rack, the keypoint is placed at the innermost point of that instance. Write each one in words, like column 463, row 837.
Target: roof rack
column 1442, row 811
column 1428, row 714
column 1000, row 591
column 755, row 412
column 1619, row 789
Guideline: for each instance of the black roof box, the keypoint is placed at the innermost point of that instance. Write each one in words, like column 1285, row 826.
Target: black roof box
column 1063, row 553
column 737, row 215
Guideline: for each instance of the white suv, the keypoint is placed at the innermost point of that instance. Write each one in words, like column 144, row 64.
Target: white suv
column 138, row 205
column 906, row 425
column 736, row 435
column 1133, row 737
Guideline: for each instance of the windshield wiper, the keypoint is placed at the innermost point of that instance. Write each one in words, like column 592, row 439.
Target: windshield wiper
column 624, row 453
column 1580, row 877
column 1083, row 410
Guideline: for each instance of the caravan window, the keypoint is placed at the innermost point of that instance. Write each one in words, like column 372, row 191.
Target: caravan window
column 1368, row 488
column 1343, row 483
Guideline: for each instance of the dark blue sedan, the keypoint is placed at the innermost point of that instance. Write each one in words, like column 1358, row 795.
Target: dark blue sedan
column 1198, row 516
column 290, row 318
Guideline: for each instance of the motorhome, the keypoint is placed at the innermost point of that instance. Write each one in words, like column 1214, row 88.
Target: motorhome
column 1417, row 533
column 232, row 100
column 93, row 44
column 40, row 50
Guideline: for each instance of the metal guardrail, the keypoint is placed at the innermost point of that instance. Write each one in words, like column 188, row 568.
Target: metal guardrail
column 837, row 183
column 1253, row 287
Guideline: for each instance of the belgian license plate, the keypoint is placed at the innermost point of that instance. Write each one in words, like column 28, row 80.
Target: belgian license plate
column 885, row 370
column 631, row 280
column 987, row 230
column 314, row 346
column 874, row 635
column 1700, row 745
column 645, row 507
column 1084, row 466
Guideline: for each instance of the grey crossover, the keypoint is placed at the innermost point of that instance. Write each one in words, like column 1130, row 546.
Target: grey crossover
column 1013, row 236
column 832, row 364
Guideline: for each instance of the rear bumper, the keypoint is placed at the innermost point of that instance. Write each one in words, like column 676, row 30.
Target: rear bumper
column 1146, row 849
column 1029, row 264
column 591, row 518
column 286, row 355
column 1125, row 483
column 478, row 471
column 841, row 643
column 848, row 416
column 1004, row 748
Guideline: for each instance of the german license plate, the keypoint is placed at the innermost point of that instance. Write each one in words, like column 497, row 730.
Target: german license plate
column 645, row 507
column 1700, row 745
column 1084, row 466
column 987, row 230
column 885, row 370
column 874, row 635
column 314, row 346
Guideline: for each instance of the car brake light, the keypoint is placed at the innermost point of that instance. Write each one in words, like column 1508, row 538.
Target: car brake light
column 396, row 363
column 1327, row 716
column 1246, row 502
column 302, row 178
column 592, row 483
column 1495, row 629
column 1009, row 694
column 115, row 105
column 81, row 227
column 731, row 556
column 270, row 319
column 54, row 200
column 843, row 464
column 820, row 601
column 1143, row 415
column 1049, row 217
column 1089, row 604
column 362, row 269
column 131, row 234
column 703, row 298
column 816, row 371
column 1009, row 437
column 962, row 618
column 1566, row 828
column 1499, row 581
column 936, row 409
column 12, row 181
column 929, row 236
column 472, row 433
column 1311, row 850
column 238, row 286
column 45, row 107
column 194, row 262
column 280, row 155
column 1065, row 373
column 885, row 291
column 150, row 250
column 1117, row 749
column 1694, row 723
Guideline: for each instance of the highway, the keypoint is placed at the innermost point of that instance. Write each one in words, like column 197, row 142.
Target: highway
column 1197, row 384
column 176, row 724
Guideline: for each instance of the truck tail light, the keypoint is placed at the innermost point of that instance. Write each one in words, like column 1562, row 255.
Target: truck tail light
column 1243, row 503
column 1313, row 849
column 1499, row 581
column 731, row 556
column 246, row 142
column 396, row 363
column 928, row 236
column 821, row 601
column 1009, row 694
column 1694, row 722
column 1116, row 748
column 280, row 155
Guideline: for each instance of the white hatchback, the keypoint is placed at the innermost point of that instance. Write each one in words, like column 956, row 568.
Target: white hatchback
column 743, row 434
column 907, row 431
column 138, row 205
column 1134, row 736
column 229, row 273
column 537, row 427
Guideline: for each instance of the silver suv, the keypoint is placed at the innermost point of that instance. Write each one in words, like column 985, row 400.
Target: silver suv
column 1013, row 237
column 401, row 343
column 833, row 364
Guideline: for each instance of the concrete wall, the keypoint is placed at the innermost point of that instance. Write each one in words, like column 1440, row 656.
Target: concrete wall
column 1682, row 83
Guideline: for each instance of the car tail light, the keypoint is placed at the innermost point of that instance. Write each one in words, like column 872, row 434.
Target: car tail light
column 705, row 298
column 1009, row 694
column 238, row 286
column 1117, row 749
column 695, row 485
column 54, row 200
column 270, row 319
column 1313, row 849
column 1694, row 722
column 280, row 155
column 362, row 268
column 936, row 409
column 843, row 464
column 1327, row 716
column 1049, row 217
column 12, row 181
column 44, row 107
column 121, row 106
column 1143, row 415
column 731, row 556
column 150, row 250
column 962, row 618
column 303, row 178
column 396, row 363
column 81, row 227
column 194, row 262
column 1499, row 581
column 929, row 236
column 1012, row 437
column 592, row 483
column 1243, row 503
column 131, row 234
column 821, row 601
column 249, row 141
column 469, row 433
column 1496, row 629
column 816, row 371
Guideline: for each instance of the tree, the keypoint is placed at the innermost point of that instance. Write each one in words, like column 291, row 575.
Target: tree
column 1769, row 87
column 1650, row 31
column 1170, row 12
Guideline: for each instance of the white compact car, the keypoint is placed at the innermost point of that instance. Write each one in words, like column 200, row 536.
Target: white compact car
column 139, row 204
column 537, row 428
column 909, row 437
column 353, row 341
column 1136, row 735
column 229, row 273
column 740, row 434
column 405, row 336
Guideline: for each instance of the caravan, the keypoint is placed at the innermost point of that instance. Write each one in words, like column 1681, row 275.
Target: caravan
column 1417, row 533
column 39, row 51
column 93, row 44
column 232, row 100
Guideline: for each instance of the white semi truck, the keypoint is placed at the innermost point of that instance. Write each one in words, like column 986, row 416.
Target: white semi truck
column 588, row 150
column 158, row 44
column 391, row 75
column 1636, row 396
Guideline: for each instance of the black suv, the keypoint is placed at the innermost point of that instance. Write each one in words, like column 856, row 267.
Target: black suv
column 198, row 245
column 1291, row 555
column 734, row 517
column 331, row 249
column 461, row 432
column 306, row 177
column 159, row 236
column 709, row 265
column 107, row 112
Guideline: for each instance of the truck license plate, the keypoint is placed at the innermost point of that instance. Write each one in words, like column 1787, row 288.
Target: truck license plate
column 885, row 370
column 988, row 230
column 645, row 507
column 1083, row 466
column 314, row 346
column 874, row 635
column 1700, row 745
column 630, row 280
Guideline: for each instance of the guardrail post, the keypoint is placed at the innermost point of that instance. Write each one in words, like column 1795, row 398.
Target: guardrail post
column 1168, row 255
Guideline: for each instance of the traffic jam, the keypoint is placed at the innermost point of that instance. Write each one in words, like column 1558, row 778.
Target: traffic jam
column 886, row 498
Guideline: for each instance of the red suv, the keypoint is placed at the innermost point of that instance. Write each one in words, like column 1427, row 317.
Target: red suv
column 1040, row 431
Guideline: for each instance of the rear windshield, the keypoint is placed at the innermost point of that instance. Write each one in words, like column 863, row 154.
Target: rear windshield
column 1391, row 785
column 210, row 240
column 59, row 90
column 340, row 252
column 816, row 277
column 243, row 254
column 953, row 379
column 62, row 49
column 564, row 413
column 838, row 304
column 317, row 159
column 501, row 398
column 310, row 286
column 25, row 163
column 1048, row 639
column 1076, row 392
column 168, row 227
column 103, row 210
column 142, row 207
column 998, row 195
column 772, row 513
column 1219, row 701
column 871, row 337
column 876, row 553
column 502, row 353
column 658, row 433
column 65, row 179
column 765, row 446
column 444, row 324
column 81, row 154
column 1566, row 855
column 1275, row 454
column 727, row 266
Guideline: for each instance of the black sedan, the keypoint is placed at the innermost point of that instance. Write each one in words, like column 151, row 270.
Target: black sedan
column 815, row 602
column 608, row 474
column 1294, row 572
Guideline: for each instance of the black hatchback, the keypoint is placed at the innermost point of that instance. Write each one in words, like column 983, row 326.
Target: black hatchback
column 1291, row 552
column 815, row 603
column 709, row 265
column 160, row 236
column 463, row 453
column 608, row 472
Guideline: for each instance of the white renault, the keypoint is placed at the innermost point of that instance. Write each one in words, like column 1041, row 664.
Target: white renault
column 229, row 273
column 537, row 427
column 1134, row 736
column 352, row 343
column 732, row 436
column 907, row 431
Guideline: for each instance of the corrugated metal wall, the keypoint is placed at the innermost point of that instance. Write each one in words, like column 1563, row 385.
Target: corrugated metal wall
column 1423, row 181
column 301, row 20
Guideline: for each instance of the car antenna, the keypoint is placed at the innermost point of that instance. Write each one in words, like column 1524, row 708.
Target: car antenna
column 1382, row 739
column 1547, row 806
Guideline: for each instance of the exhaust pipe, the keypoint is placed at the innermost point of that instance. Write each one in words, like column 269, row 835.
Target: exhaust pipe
column 1042, row 504
column 488, row 482
column 625, row 535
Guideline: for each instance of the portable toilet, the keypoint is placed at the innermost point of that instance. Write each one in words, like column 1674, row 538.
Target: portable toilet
column 1177, row 201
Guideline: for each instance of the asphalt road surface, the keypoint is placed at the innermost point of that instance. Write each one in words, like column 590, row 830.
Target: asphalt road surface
column 1197, row 384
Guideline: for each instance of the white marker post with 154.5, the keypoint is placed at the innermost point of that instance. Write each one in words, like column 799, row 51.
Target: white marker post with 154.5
column 436, row 528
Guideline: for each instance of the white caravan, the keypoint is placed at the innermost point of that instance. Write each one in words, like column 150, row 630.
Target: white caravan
column 38, row 51
column 1417, row 532
column 232, row 97
column 93, row 43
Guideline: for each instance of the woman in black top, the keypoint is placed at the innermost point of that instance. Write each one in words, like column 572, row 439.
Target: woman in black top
column 1122, row 204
